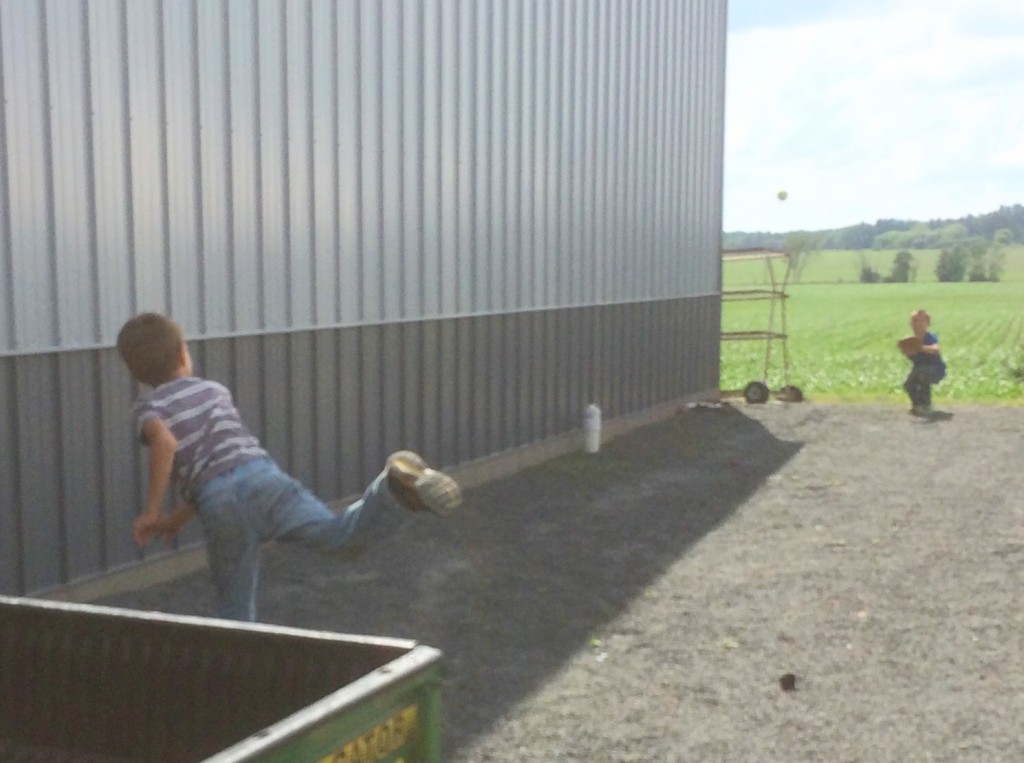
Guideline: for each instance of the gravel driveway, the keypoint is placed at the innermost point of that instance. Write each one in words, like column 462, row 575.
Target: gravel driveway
column 642, row 604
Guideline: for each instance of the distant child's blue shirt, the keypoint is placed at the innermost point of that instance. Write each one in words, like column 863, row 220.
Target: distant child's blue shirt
column 929, row 359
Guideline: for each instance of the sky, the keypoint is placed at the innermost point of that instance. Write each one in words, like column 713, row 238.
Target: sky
column 864, row 110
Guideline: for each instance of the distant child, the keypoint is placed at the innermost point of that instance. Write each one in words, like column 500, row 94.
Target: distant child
column 197, row 441
column 928, row 368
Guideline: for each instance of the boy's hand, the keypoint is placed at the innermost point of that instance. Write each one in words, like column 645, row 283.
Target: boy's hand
column 165, row 526
column 173, row 523
column 146, row 525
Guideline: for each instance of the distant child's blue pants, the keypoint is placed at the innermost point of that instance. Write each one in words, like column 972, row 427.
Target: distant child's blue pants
column 257, row 502
column 919, row 384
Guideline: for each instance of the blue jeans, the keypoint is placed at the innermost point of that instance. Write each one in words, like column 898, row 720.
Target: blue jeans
column 258, row 502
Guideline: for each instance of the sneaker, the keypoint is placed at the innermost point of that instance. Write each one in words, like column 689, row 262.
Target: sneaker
column 418, row 487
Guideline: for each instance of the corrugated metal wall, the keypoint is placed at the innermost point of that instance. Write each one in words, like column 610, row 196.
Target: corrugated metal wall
column 441, row 223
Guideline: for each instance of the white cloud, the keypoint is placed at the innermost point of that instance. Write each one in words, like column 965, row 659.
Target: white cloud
column 909, row 113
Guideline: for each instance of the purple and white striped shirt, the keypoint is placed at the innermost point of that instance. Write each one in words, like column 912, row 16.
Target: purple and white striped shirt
column 201, row 414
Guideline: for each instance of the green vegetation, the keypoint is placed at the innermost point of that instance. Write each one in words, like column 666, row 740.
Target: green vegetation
column 842, row 333
column 1006, row 223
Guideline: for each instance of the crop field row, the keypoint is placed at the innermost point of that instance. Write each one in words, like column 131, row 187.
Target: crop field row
column 845, row 266
column 842, row 338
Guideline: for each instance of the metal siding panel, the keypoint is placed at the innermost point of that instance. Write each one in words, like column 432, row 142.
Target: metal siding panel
column 7, row 312
column 449, row 171
column 326, row 404
column 565, row 148
column 69, row 136
column 510, row 414
column 465, row 389
column 350, row 409
column 231, row 109
column 411, row 212
column 82, row 467
column 121, row 454
column 587, row 78
column 413, row 377
column 371, row 409
column 465, row 274
column 430, row 152
column 504, row 103
column 539, row 392
column 567, row 365
column 302, row 416
column 656, row 150
column 632, row 254
column 275, row 378
column 244, row 283
column 148, row 161
column 481, row 252
column 350, row 163
column 611, row 317
column 495, row 381
column 620, row 270
column 665, row 388
column 578, row 380
column 301, row 297
column 627, row 377
column 183, row 179
column 641, row 342
column 395, row 377
column 480, row 373
column 590, row 361
column 546, row 365
column 526, row 281
column 324, row 158
column 512, row 158
column 394, row 269
column 645, row 137
column 448, row 425
column 38, row 417
column 672, row 272
column 656, row 352
column 247, row 362
column 273, row 181
column 214, row 115
column 111, row 167
column 499, row 382
column 622, row 367
column 371, row 143
column 430, row 391
column 609, row 129
column 676, row 266
column 552, row 163
column 32, row 273
column 11, row 503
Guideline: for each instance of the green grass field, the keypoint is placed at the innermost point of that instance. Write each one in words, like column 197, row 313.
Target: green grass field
column 842, row 334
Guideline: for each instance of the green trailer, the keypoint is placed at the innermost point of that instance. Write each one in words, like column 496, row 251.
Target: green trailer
column 102, row 685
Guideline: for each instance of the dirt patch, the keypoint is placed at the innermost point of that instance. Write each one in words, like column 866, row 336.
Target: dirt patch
column 646, row 603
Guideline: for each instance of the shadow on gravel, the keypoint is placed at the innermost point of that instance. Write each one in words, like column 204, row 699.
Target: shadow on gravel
column 516, row 583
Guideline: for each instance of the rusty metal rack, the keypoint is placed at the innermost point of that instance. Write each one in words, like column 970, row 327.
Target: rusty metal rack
column 758, row 390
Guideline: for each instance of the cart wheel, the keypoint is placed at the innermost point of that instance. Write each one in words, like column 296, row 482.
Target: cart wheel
column 756, row 392
column 791, row 394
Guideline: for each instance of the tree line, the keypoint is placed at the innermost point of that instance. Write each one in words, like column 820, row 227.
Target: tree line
column 899, row 234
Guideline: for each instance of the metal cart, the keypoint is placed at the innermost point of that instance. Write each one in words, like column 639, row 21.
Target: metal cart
column 88, row 683
column 758, row 390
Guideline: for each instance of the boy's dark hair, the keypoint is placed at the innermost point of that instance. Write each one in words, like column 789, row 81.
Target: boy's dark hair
column 150, row 345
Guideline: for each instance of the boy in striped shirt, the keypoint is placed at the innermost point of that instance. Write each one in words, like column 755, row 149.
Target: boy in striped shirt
column 198, row 442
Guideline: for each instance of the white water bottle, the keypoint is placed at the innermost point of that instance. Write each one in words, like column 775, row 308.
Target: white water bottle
column 592, row 428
